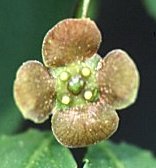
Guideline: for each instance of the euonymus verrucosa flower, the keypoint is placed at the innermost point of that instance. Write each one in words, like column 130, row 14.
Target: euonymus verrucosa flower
column 79, row 88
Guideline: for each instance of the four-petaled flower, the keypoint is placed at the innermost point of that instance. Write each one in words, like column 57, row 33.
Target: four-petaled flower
column 79, row 88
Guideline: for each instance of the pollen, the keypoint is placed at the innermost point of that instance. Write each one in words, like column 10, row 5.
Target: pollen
column 49, row 41
column 85, row 72
column 64, row 76
column 88, row 95
column 65, row 100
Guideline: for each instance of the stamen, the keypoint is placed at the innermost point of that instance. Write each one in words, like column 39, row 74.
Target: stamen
column 85, row 72
column 65, row 100
column 64, row 76
column 88, row 95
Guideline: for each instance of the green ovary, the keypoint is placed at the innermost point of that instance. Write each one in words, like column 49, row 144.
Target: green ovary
column 76, row 84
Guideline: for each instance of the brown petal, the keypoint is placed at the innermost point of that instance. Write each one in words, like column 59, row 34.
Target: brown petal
column 34, row 91
column 82, row 126
column 118, row 79
column 70, row 40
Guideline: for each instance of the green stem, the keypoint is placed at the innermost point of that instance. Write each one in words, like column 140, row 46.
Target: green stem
column 85, row 7
column 81, row 9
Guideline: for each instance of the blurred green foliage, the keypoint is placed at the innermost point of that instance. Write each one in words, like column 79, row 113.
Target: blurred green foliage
column 34, row 149
column 23, row 24
column 150, row 6
column 110, row 155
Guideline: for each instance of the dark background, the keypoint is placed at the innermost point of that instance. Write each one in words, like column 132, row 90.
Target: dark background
column 124, row 24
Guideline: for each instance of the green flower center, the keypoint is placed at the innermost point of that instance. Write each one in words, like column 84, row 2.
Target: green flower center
column 76, row 84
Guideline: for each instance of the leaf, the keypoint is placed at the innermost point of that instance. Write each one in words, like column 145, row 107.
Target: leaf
column 34, row 149
column 10, row 120
column 110, row 155
column 150, row 6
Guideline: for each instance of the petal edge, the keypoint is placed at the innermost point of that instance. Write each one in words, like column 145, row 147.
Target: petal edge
column 70, row 40
column 118, row 79
column 34, row 91
column 82, row 126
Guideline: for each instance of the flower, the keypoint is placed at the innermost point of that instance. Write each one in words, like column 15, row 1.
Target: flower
column 79, row 88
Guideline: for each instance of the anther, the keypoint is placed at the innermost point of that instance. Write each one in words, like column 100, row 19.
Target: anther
column 85, row 72
column 88, row 95
column 64, row 76
column 65, row 99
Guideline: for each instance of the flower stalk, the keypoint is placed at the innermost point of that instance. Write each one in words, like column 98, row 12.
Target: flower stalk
column 82, row 8
column 85, row 7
